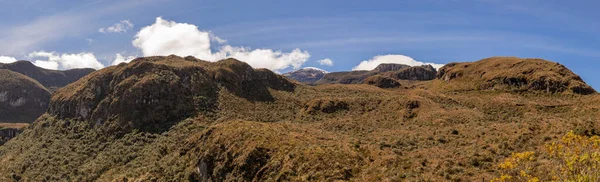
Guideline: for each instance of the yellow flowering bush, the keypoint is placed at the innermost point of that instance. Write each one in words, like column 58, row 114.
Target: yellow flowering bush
column 573, row 158
column 517, row 168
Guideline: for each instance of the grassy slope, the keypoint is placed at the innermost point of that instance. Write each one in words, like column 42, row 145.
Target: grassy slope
column 372, row 134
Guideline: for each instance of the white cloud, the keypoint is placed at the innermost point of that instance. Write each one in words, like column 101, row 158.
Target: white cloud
column 120, row 59
column 392, row 58
column 265, row 58
column 217, row 39
column 326, row 62
column 6, row 59
column 55, row 61
column 46, row 64
column 168, row 37
column 121, row 27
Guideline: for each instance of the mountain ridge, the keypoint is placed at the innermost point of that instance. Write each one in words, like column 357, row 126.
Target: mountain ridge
column 51, row 79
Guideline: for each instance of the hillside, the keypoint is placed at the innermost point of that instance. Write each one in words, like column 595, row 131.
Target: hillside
column 22, row 99
column 511, row 73
column 51, row 79
column 184, row 119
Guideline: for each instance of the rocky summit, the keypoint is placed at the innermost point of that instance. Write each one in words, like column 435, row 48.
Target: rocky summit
column 169, row 118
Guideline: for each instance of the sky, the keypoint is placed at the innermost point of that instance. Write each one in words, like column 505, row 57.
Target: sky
column 334, row 35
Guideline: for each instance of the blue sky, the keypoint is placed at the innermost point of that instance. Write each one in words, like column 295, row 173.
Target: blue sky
column 345, row 31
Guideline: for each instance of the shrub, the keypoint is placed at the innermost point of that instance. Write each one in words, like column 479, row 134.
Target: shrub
column 573, row 158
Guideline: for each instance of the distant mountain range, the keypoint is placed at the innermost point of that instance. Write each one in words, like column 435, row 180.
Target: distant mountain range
column 25, row 89
column 392, row 72
column 51, row 79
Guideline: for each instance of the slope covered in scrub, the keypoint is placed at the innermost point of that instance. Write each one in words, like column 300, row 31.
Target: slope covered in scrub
column 183, row 119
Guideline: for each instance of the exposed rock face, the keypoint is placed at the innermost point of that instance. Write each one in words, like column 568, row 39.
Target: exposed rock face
column 385, row 67
column 8, row 133
column 306, row 75
column 151, row 93
column 425, row 72
column 514, row 74
column 22, row 99
column 382, row 81
column 51, row 79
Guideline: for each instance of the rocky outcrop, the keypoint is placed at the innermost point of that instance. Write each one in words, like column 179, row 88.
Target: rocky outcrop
column 22, row 99
column 385, row 67
column 422, row 73
column 152, row 93
column 513, row 74
column 382, row 81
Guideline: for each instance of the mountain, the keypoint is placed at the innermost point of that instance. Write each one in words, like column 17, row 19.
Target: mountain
column 306, row 75
column 169, row 118
column 22, row 99
column 51, row 79
column 511, row 73
column 388, row 70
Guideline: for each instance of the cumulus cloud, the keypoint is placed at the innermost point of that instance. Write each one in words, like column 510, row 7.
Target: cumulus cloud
column 122, row 59
column 264, row 58
column 326, row 62
column 46, row 64
column 53, row 60
column 121, row 27
column 168, row 37
column 392, row 58
column 6, row 59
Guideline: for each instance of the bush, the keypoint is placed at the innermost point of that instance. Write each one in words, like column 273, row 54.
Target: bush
column 573, row 158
